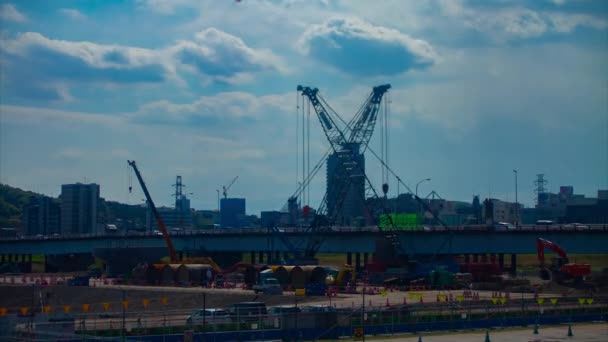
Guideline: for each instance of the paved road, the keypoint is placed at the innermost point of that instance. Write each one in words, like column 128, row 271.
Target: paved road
column 581, row 332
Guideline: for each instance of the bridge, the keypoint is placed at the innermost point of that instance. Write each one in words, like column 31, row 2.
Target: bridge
column 593, row 240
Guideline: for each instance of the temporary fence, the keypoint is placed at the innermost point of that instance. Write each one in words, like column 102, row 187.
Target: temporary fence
column 312, row 322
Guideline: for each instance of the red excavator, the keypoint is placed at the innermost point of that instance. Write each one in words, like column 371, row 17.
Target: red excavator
column 561, row 269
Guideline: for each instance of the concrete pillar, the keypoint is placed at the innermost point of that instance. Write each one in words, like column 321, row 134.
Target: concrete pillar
column 484, row 258
column 261, row 257
column 467, row 258
column 501, row 261
column 269, row 259
column 277, row 257
column 365, row 259
column 180, row 255
column 493, row 258
column 513, row 264
column 349, row 258
column 358, row 262
column 475, row 257
column 3, row 259
column 252, row 257
column 286, row 256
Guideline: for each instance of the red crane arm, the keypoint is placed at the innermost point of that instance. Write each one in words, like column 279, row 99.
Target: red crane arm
column 159, row 219
column 541, row 244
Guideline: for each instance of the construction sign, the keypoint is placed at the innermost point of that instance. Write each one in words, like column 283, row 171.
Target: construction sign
column 415, row 295
column 540, row 301
column 383, row 293
column 125, row 304
column 460, row 298
column 85, row 307
column 23, row 310
column 554, row 301
column 494, row 300
column 589, row 301
column 3, row 312
column 145, row 302
column 581, row 301
column 67, row 308
column 46, row 309
column 503, row 300
column 106, row 306
column 163, row 300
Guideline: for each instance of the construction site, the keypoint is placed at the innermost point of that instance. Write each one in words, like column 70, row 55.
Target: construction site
column 303, row 294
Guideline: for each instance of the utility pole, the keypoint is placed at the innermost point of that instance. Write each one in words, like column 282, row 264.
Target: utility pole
column 516, row 203
column 122, row 331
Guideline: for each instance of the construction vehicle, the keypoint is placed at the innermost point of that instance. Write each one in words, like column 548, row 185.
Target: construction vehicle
column 157, row 217
column 561, row 269
column 268, row 284
column 345, row 275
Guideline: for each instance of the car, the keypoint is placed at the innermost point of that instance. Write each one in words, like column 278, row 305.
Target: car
column 157, row 233
column 283, row 310
column 248, row 311
column 318, row 308
column 209, row 316
column 503, row 226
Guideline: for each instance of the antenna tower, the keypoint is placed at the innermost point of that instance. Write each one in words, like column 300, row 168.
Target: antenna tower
column 539, row 185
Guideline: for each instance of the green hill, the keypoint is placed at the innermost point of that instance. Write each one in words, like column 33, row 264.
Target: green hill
column 12, row 201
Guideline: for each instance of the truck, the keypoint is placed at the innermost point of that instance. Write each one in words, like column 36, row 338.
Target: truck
column 267, row 283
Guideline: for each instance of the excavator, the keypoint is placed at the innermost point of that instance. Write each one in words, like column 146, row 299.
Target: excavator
column 561, row 270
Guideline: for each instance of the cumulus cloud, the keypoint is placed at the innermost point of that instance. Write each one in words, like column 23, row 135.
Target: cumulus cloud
column 9, row 12
column 355, row 46
column 49, row 63
column 222, row 107
column 73, row 13
column 523, row 23
column 218, row 54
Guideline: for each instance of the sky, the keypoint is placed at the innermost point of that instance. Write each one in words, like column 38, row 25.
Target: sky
column 207, row 90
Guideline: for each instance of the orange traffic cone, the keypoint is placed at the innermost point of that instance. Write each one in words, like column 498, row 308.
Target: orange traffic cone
column 404, row 301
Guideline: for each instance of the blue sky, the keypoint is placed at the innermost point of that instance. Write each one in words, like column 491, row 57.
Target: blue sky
column 207, row 90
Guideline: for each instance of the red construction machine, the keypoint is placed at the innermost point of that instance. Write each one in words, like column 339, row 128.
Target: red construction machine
column 561, row 269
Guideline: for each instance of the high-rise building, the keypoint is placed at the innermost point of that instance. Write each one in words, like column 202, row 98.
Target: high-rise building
column 346, row 166
column 79, row 205
column 232, row 213
column 42, row 216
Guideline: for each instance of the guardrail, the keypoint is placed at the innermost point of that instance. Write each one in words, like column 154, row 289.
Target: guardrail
column 266, row 231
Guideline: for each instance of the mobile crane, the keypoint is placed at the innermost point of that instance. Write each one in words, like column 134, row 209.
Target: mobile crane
column 561, row 269
column 159, row 219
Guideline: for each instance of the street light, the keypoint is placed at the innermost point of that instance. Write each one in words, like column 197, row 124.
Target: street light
column 516, row 203
column 218, row 200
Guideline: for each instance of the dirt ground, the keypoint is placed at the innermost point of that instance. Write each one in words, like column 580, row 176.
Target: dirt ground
column 597, row 332
column 185, row 298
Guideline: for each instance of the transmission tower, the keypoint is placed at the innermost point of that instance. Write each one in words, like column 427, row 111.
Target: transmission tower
column 539, row 186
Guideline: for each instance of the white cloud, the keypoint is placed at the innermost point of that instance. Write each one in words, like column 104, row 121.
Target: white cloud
column 356, row 46
column 222, row 107
column 213, row 54
column 73, row 13
column 9, row 12
column 505, row 23
column 166, row 7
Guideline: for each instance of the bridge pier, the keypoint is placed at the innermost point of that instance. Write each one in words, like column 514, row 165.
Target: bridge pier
column 501, row 261
column 349, row 258
column 467, row 258
column 484, row 258
column 269, row 259
column 252, row 257
column 365, row 259
column 475, row 257
column 261, row 257
column 513, row 264
column 358, row 262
